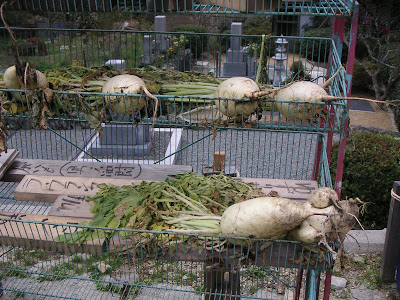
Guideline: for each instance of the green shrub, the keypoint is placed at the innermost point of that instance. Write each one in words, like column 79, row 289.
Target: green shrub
column 361, row 79
column 196, row 43
column 257, row 25
column 371, row 165
column 298, row 72
column 318, row 49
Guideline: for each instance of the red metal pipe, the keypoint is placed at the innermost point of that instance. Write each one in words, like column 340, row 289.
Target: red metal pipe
column 349, row 75
column 299, row 280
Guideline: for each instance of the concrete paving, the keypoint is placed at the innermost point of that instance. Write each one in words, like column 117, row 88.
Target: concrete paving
column 362, row 242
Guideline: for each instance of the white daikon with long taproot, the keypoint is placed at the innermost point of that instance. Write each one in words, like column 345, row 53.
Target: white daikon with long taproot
column 299, row 93
column 264, row 217
column 125, row 84
column 11, row 81
column 237, row 87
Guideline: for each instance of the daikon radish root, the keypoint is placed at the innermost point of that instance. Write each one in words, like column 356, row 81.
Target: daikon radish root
column 125, row 84
column 23, row 76
column 332, row 223
column 128, row 84
column 299, row 91
column 323, row 197
column 237, row 87
column 306, row 233
column 343, row 222
column 264, row 217
column 11, row 81
column 320, row 224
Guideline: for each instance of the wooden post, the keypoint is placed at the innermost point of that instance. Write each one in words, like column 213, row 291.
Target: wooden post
column 391, row 249
column 221, row 281
column 219, row 161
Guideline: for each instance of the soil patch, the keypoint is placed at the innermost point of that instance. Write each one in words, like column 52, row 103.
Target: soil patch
column 380, row 118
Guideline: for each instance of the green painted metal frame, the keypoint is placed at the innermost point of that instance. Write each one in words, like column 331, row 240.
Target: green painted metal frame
column 336, row 115
column 268, row 7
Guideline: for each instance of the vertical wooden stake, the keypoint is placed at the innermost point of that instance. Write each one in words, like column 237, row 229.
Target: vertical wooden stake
column 391, row 249
column 219, row 161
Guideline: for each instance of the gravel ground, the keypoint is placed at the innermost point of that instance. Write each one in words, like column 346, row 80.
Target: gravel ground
column 265, row 154
column 37, row 274
column 46, row 144
column 363, row 281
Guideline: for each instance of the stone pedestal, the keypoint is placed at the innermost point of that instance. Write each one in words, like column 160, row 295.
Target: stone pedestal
column 235, row 63
column 160, row 25
column 251, row 66
column 123, row 140
column 147, row 57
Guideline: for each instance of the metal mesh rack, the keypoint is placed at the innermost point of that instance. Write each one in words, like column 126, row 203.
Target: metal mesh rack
column 285, row 7
column 36, row 263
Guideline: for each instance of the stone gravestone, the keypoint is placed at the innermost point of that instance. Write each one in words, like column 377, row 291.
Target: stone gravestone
column 160, row 25
column 120, row 140
column 154, row 48
column 236, row 62
column 147, row 57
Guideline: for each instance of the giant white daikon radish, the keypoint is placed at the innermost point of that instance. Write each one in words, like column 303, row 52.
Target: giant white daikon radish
column 335, row 224
column 237, row 87
column 264, row 217
column 11, row 82
column 125, row 84
column 300, row 91
column 306, row 233
column 323, row 197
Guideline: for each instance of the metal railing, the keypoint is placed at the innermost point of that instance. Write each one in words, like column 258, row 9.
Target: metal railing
column 267, row 7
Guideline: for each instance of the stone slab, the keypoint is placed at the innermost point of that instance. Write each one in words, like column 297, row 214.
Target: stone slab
column 98, row 150
column 125, row 135
column 361, row 242
column 234, row 69
column 235, row 56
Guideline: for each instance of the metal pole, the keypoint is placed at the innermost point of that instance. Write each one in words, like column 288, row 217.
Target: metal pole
column 390, row 256
column 349, row 73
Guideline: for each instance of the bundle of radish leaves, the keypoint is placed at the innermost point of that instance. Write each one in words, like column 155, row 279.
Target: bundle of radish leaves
column 192, row 203
column 189, row 202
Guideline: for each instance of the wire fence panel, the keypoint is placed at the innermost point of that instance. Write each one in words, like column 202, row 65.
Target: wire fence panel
column 268, row 7
column 51, row 256
column 155, row 265
column 49, row 50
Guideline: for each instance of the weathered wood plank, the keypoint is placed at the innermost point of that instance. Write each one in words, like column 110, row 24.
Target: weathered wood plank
column 22, row 167
column 292, row 189
column 48, row 188
column 71, row 206
column 6, row 160
column 16, row 232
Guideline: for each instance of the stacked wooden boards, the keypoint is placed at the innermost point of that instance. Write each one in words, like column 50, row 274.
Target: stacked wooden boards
column 65, row 184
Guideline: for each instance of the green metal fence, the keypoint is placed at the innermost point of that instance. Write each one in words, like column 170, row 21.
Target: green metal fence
column 49, row 48
column 136, row 264
column 282, row 7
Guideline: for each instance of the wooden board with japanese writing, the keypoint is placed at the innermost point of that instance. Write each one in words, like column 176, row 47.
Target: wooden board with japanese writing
column 48, row 188
column 71, row 206
column 37, row 231
column 6, row 160
column 292, row 189
column 22, row 167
